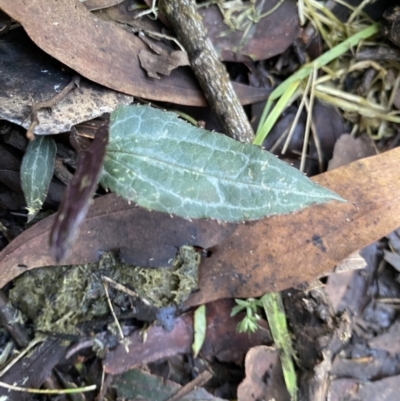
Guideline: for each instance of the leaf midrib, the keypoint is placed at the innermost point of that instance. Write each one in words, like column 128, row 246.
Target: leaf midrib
column 230, row 181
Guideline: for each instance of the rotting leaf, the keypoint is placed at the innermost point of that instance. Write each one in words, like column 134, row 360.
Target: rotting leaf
column 163, row 163
column 35, row 367
column 36, row 172
column 79, row 192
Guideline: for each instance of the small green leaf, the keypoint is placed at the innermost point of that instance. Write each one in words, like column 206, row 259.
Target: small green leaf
column 200, row 325
column 37, row 171
column 163, row 163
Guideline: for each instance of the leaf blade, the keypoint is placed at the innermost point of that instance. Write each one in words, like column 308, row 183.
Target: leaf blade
column 36, row 172
column 165, row 164
column 200, row 327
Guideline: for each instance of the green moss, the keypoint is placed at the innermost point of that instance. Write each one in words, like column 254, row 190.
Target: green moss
column 58, row 298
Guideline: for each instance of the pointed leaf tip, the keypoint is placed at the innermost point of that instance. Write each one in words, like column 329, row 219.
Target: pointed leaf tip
column 163, row 163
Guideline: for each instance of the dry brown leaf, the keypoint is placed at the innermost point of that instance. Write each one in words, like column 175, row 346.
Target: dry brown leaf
column 340, row 286
column 105, row 53
column 282, row 251
column 141, row 238
column 264, row 39
column 263, row 362
column 349, row 149
column 161, row 60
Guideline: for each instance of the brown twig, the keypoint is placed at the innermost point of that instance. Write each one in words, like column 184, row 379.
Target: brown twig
column 61, row 172
column 209, row 70
column 48, row 104
column 199, row 381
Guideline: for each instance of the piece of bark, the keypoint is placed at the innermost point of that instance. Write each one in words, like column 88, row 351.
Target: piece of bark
column 30, row 78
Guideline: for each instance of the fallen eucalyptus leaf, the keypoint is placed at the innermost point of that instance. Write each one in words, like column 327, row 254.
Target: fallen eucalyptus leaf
column 79, row 192
column 163, row 163
column 36, row 172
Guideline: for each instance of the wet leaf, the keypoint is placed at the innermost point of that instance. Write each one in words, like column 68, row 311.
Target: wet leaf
column 79, row 192
column 36, row 172
column 163, row 163
column 37, row 366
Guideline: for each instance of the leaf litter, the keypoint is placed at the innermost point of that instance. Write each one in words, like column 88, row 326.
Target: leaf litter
column 99, row 61
column 317, row 243
column 31, row 76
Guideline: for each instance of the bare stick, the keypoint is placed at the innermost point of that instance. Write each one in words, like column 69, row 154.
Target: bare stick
column 209, row 70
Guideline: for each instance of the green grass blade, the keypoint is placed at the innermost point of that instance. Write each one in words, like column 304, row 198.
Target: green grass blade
column 275, row 312
column 287, row 88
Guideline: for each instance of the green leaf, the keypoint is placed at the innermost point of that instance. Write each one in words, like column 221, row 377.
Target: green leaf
column 275, row 311
column 37, row 171
column 163, row 163
column 200, row 326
